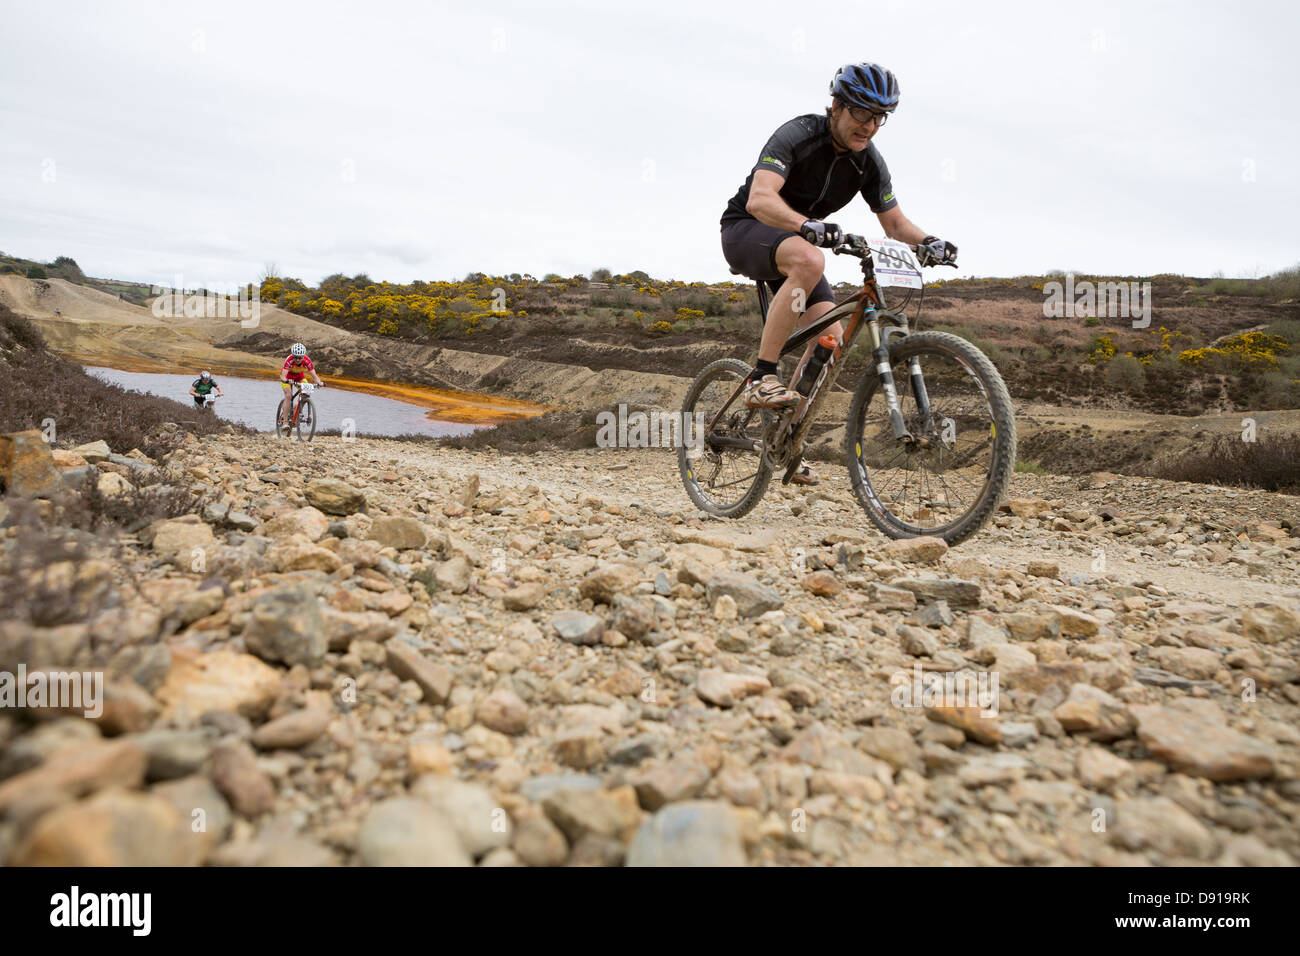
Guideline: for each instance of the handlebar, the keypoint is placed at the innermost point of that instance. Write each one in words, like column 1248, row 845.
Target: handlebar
column 855, row 245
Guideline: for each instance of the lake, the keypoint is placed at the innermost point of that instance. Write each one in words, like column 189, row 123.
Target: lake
column 252, row 402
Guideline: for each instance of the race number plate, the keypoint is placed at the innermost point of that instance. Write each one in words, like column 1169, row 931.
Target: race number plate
column 895, row 263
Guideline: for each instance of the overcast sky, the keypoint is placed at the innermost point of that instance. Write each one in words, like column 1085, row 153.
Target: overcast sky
column 428, row 140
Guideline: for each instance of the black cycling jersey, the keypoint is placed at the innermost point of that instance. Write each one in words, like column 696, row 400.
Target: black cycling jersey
column 818, row 179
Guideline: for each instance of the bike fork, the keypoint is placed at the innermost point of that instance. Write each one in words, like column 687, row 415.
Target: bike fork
column 881, row 357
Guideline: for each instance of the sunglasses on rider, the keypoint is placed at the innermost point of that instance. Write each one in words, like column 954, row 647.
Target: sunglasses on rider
column 862, row 115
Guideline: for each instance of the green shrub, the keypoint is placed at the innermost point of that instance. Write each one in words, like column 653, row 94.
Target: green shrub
column 1125, row 371
column 1030, row 466
column 36, row 272
column 1268, row 463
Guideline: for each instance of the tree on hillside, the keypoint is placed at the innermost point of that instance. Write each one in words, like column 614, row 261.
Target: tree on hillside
column 36, row 272
column 600, row 275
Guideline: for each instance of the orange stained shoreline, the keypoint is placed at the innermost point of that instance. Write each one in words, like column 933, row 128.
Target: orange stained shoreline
column 466, row 408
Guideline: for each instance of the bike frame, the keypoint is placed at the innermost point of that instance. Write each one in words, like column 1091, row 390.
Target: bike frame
column 863, row 308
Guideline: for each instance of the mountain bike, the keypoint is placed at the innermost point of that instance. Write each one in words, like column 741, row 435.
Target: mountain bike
column 302, row 413
column 205, row 402
column 930, row 440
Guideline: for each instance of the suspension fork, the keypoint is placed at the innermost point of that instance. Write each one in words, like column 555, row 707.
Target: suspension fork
column 880, row 355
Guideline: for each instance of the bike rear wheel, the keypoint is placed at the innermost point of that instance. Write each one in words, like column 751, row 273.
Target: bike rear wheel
column 948, row 482
column 306, row 420
column 722, row 480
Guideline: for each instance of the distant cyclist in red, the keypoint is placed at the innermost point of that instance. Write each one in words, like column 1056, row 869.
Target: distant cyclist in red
column 296, row 367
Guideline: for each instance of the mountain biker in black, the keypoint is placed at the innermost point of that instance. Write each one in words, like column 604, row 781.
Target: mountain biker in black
column 202, row 386
column 773, row 227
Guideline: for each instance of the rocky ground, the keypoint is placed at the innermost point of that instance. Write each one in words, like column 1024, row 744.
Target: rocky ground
column 372, row 652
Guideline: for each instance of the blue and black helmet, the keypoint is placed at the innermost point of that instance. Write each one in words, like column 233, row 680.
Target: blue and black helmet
column 866, row 84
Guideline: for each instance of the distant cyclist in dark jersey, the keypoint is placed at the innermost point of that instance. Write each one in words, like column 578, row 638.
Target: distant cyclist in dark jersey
column 202, row 386
column 772, row 228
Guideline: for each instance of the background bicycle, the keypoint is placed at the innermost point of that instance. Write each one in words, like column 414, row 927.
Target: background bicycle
column 301, row 419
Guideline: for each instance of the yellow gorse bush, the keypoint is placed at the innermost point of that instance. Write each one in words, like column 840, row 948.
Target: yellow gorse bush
column 1249, row 351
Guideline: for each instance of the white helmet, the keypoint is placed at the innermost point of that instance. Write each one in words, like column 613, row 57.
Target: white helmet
column 298, row 350
column 205, row 375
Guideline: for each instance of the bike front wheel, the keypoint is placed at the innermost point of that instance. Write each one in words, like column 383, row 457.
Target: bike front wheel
column 724, row 471
column 947, row 476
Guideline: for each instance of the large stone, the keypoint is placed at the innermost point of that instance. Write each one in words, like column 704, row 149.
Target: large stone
column 202, row 807
column 174, row 753
column 408, row 831
column 409, row 664
column 285, row 625
column 186, row 543
column 220, row 681
column 112, row 829
column 237, row 775
column 344, row 627
column 293, row 730
column 77, row 770
column 402, row 533
column 1195, row 663
column 923, row 550
column 299, row 554
column 1270, row 624
column 752, row 596
column 608, row 581
column 334, row 497
column 577, row 627
column 453, row 575
column 723, row 689
column 1074, row 623
column 503, row 711
column 679, row 779
column 1092, row 711
column 469, row 808
column 181, row 601
column 94, row 452
column 1201, row 747
column 893, row 745
column 538, row 841
column 112, row 485
column 26, row 466
column 608, row 813
column 524, row 597
column 1099, row 769
column 693, row 833
column 1160, row 824
column 957, row 592
column 969, row 721
column 308, row 522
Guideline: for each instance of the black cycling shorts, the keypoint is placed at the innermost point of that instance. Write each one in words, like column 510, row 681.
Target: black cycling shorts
column 750, row 248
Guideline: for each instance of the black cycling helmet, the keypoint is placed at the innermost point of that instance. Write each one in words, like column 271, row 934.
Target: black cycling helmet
column 866, row 84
